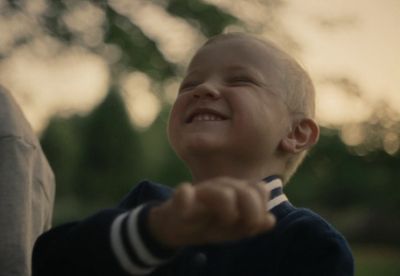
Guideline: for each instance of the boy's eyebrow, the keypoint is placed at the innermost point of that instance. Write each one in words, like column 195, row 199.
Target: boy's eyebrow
column 237, row 67
column 233, row 68
column 245, row 69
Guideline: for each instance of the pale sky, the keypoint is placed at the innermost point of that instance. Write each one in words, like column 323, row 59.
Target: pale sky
column 364, row 45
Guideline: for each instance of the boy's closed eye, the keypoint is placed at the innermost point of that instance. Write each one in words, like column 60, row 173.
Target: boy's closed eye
column 231, row 81
column 241, row 80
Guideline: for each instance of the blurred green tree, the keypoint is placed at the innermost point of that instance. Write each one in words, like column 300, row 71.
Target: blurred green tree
column 358, row 192
column 138, row 50
column 96, row 158
column 111, row 156
column 62, row 143
column 162, row 163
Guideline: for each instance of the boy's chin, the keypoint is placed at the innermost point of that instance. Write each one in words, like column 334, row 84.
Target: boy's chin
column 203, row 146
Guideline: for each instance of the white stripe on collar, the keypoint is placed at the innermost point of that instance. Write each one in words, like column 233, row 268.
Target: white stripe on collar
column 274, row 184
column 276, row 201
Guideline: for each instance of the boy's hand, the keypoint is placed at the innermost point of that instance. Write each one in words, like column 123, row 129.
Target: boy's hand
column 216, row 210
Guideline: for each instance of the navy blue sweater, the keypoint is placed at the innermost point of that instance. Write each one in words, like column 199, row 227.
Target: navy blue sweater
column 117, row 242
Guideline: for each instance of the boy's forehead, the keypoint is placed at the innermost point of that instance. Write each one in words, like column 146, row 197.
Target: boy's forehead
column 235, row 53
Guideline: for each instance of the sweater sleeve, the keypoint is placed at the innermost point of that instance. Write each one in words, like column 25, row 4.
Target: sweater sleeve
column 111, row 242
column 132, row 244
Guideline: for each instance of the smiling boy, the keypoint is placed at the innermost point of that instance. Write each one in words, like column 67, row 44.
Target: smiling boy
column 242, row 122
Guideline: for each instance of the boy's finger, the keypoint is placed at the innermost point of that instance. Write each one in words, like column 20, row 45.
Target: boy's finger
column 183, row 199
column 251, row 208
column 220, row 202
column 263, row 191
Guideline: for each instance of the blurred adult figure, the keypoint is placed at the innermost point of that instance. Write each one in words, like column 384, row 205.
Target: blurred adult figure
column 26, row 189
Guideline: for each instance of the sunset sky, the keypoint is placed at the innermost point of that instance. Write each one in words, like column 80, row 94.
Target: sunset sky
column 354, row 39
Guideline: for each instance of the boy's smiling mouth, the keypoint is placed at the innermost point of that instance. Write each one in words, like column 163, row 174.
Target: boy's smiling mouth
column 205, row 115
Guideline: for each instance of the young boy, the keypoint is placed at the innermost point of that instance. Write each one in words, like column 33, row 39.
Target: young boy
column 242, row 122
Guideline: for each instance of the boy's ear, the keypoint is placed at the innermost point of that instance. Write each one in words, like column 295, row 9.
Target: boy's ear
column 303, row 135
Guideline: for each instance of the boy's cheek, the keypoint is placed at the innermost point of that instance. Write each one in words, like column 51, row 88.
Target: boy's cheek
column 174, row 136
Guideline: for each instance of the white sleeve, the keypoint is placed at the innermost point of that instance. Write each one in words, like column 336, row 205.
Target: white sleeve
column 26, row 189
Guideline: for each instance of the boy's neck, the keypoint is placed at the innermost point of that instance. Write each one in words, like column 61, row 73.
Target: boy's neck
column 208, row 169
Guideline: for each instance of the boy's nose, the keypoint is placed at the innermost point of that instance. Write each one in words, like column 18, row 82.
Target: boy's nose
column 206, row 90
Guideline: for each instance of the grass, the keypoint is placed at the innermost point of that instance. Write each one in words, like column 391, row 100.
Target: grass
column 376, row 261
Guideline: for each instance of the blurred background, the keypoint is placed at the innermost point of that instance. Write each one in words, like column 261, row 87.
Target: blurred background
column 96, row 80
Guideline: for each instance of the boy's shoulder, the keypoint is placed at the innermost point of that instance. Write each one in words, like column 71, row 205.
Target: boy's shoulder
column 302, row 243
column 305, row 222
column 306, row 237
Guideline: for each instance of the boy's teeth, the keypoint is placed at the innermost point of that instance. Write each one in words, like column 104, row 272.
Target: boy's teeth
column 207, row 117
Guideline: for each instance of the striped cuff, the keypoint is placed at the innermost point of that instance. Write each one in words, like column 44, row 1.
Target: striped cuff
column 275, row 187
column 133, row 246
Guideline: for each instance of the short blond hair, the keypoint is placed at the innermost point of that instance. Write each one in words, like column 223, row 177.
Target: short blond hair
column 298, row 90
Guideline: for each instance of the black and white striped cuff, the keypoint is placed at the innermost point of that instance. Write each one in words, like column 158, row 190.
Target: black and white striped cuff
column 134, row 248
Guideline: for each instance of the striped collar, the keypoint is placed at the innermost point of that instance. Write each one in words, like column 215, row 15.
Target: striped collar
column 275, row 188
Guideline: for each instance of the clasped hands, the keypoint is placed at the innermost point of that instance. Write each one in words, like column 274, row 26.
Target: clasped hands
column 216, row 210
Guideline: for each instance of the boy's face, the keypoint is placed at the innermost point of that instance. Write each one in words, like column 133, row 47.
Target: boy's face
column 229, row 104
